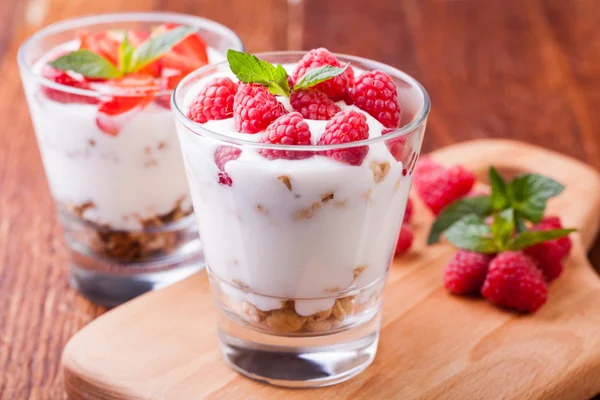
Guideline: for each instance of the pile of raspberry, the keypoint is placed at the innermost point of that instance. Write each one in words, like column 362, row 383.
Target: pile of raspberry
column 516, row 280
column 256, row 111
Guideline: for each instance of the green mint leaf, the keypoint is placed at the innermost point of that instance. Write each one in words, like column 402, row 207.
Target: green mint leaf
column 153, row 48
column 472, row 233
column 529, row 238
column 480, row 206
column 500, row 198
column 503, row 228
column 318, row 75
column 249, row 69
column 88, row 64
column 125, row 54
column 529, row 194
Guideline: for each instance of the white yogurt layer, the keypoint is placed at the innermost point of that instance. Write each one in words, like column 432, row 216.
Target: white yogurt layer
column 256, row 235
column 134, row 175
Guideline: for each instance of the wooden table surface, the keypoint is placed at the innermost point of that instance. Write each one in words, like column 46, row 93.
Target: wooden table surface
column 521, row 69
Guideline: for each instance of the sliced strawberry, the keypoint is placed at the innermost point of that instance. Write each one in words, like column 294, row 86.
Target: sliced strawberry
column 187, row 55
column 64, row 78
column 101, row 43
column 138, row 90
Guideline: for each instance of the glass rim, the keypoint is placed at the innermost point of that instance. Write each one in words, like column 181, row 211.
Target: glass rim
column 417, row 121
column 82, row 22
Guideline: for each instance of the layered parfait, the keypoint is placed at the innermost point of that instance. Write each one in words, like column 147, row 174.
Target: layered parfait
column 298, row 194
column 107, row 137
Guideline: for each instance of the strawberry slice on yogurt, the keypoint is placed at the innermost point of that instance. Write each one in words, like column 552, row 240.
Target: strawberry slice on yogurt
column 138, row 91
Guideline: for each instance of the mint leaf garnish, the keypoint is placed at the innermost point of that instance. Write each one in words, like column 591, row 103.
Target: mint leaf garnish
column 472, row 233
column 499, row 198
column 480, row 206
column 529, row 194
column 503, row 227
column 153, row 48
column 87, row 63
column 318, row 75
column 125, row 53
column 529, row 238
column 249, row 69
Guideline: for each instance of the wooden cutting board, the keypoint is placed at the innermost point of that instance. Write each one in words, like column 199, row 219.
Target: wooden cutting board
column 163, row 345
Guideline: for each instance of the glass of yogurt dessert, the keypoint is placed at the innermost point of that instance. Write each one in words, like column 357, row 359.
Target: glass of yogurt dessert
column 300, row 174
column 98, row 90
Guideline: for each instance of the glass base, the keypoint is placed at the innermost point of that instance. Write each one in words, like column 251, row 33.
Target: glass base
column 107, row 288
column 299, row 362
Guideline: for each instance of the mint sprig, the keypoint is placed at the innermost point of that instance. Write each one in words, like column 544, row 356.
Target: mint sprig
column 87, row 63
column 155, row 47
column 131, row 60
column 526, row 195
column 472, row 233
column 250, row 69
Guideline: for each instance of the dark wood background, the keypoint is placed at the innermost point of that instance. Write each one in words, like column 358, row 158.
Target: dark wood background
column 521, row 69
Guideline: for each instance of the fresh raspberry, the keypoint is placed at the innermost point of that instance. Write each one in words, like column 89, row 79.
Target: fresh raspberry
column 289, row 129
column 466, row 271
column 405, row 239
column 335, row 87
column 563, row 244
column 375, row 93
column 513, row 281
column 345, row 127
column 254, row 108
column 548, row 257
column 313, row 104
column 438, row 189
column 409, row 210
column 215, row 101
column 222, row 156
column 63, row 78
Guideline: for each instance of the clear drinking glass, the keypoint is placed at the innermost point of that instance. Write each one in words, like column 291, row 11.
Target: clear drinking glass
column 297, row 251
column 122, row 198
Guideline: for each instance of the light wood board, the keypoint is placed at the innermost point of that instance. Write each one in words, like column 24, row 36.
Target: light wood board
column 163, row 345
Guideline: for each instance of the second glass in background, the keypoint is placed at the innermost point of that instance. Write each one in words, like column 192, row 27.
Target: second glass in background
column 117, row 178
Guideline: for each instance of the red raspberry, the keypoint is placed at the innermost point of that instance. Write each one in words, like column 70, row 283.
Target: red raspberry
column 438, row 188
column 563, row 244
column 376, row 93
column 513, row 281
column 224, row 154
column 548, row 257
column 254, row 108
column 289, row 129
column 335, row 87
column 345, row 127
column 64, row 78
column 409, row 210
column 215, row 101
column 405, row 239
column 466, row 271
column 313, row 104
